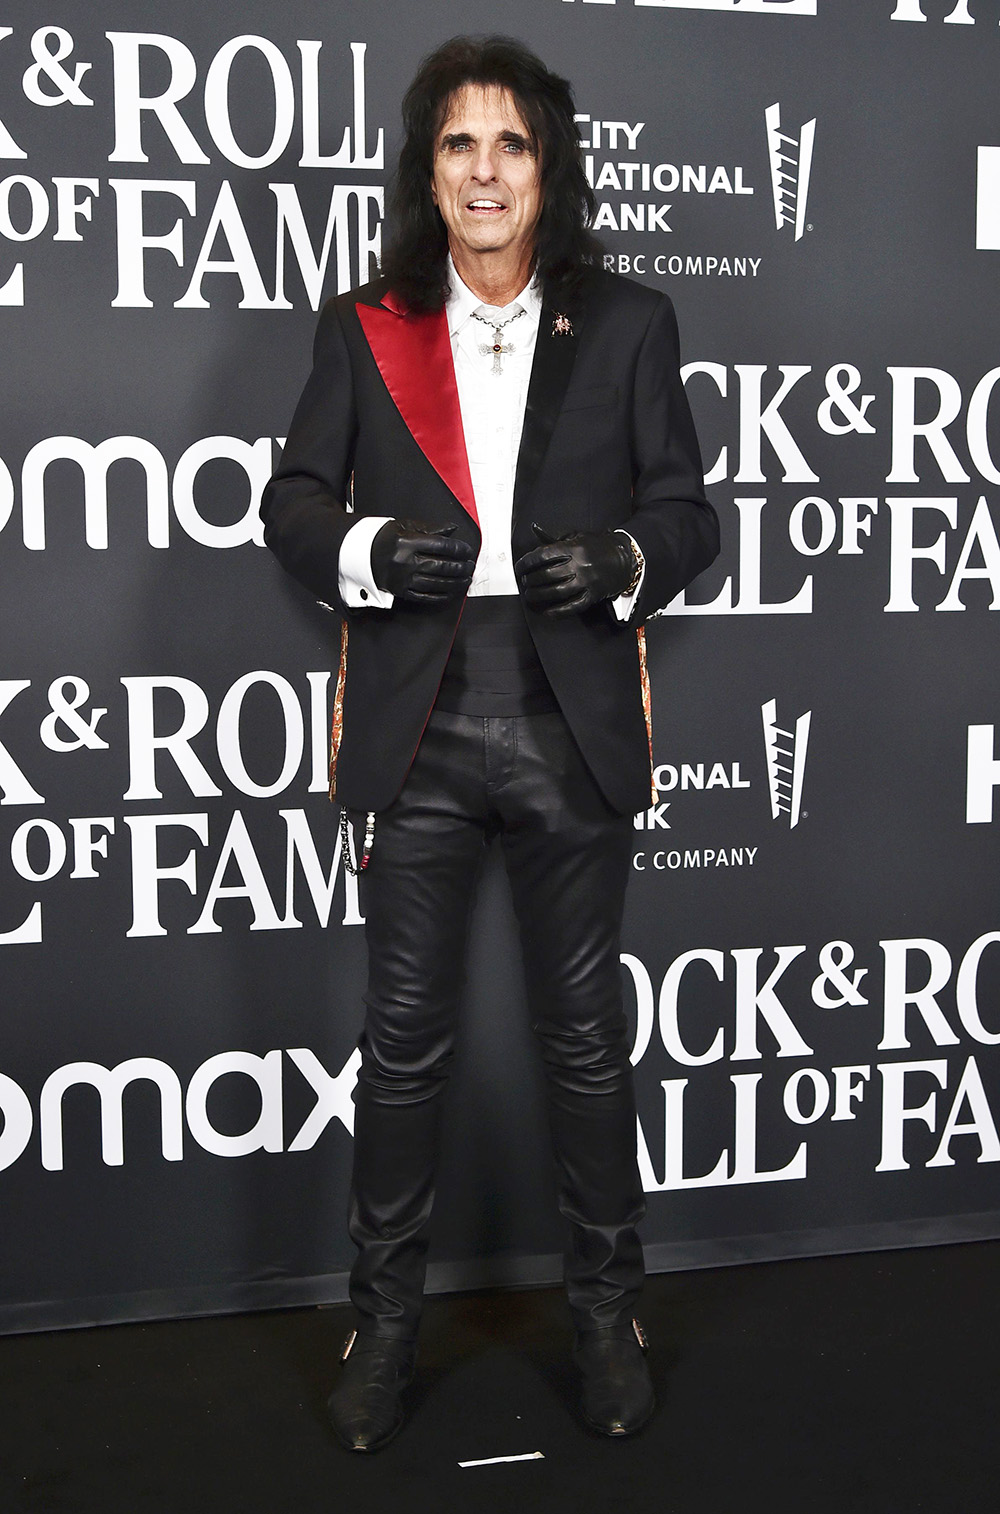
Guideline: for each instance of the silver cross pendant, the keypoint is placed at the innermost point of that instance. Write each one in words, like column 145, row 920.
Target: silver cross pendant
column 498, row 349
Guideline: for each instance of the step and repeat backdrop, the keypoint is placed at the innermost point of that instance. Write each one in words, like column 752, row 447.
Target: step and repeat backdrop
column 812, row 949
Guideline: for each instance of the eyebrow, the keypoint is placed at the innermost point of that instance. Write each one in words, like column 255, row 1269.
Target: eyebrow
column 519, row 138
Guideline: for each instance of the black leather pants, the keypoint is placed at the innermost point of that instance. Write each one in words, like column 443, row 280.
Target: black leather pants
column 567, row 856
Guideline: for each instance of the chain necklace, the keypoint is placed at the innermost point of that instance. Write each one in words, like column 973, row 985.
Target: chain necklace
column 496, row 347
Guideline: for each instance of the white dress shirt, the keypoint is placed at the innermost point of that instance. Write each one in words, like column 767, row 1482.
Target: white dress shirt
column 492, row 406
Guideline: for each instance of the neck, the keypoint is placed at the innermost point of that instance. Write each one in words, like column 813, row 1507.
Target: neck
column 496, row 280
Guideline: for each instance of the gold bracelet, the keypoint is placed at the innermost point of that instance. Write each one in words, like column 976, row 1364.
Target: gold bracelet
column 640, row 563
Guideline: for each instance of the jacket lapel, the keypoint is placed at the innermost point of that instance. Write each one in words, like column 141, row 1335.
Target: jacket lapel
column 413, row 355
column 555, row 354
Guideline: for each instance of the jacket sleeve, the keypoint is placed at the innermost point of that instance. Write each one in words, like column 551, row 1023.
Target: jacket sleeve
column 304, row 505
column 676, row 528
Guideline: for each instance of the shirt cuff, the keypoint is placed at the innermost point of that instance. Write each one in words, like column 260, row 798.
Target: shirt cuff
column 358, row 589
column 623, row 605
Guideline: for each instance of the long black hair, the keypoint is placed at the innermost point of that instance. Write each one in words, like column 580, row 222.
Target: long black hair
column 415, row 260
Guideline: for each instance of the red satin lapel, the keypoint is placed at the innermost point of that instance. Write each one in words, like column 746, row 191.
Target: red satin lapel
column 413, row 354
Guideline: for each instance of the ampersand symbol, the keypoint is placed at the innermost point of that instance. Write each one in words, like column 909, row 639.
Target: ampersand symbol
column 834, row 959
column 49, row 62
column 64, row 712
column 841, row 381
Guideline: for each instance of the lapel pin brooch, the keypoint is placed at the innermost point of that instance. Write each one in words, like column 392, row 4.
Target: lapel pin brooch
column 562, row 325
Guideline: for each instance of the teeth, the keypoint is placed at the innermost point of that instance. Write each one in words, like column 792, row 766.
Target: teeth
column 485, row 205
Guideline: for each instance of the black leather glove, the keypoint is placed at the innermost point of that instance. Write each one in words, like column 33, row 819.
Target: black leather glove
column 569, row 574
column 421, row 563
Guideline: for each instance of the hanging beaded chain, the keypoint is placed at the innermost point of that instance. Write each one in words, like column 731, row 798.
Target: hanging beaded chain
column 497, row 348
column 351, row 865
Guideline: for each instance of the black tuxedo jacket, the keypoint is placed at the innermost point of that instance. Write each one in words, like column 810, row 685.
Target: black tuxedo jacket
column 608, row 441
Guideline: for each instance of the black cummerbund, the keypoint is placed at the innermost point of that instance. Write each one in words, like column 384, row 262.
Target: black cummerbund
column 494, row 668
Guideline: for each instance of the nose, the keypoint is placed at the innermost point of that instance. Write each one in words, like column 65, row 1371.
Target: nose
column 485, row 167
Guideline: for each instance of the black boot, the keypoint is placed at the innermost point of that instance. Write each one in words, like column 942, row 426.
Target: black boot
column 365, row 1408
column 617, row 1392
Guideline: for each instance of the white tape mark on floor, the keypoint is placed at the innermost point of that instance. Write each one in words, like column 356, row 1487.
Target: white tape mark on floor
column 491, row 1461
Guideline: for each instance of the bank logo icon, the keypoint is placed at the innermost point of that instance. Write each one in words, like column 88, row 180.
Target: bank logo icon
column 790, row 161
column 786, row 762
column 988, row 200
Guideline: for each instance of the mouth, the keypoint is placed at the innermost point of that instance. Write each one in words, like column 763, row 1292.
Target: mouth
column 484, row 206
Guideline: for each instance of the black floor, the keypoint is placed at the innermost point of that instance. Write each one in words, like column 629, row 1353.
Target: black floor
column 868, row 1383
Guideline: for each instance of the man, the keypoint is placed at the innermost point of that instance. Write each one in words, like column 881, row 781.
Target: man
column 509, row 423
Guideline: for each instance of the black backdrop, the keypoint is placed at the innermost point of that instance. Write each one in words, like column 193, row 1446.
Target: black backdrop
column 813, row 935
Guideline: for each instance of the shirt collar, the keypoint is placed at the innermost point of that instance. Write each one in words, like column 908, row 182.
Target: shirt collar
column 461, row 301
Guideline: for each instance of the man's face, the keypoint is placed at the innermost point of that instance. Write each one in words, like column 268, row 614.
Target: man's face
column 486, row 179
